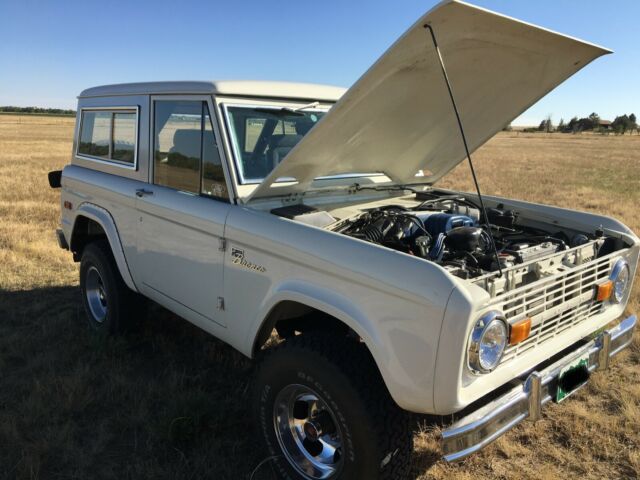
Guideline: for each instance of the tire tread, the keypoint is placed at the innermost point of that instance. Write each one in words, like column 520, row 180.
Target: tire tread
column 393, row 430
column 128, row 304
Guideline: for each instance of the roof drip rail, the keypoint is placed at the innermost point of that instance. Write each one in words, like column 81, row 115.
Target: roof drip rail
column 466, row 147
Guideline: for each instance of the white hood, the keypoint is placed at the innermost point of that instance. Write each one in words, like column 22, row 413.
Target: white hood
column 398, row 119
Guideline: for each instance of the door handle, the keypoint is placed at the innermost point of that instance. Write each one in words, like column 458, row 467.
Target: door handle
column 141, row 192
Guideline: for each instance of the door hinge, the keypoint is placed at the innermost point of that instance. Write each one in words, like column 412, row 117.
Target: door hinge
column 220, row 303
column 222, row 244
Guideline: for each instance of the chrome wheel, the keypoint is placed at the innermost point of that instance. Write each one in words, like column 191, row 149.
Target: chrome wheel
column 96, row 295
column 308, row 433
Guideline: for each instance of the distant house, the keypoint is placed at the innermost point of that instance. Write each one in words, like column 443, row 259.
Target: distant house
column 604, row 124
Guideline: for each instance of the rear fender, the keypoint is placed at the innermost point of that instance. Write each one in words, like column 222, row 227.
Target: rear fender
column 103, row 218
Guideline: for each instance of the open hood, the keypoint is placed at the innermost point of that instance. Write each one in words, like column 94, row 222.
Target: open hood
column 398, row 119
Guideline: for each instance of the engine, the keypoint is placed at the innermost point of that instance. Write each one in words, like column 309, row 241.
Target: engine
column 451, row 232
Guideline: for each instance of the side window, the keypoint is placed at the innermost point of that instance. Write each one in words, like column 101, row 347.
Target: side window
column 109, row 135
column 94, row 134
column 185, row 153
column 124, row 137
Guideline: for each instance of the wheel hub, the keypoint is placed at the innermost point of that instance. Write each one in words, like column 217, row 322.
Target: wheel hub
column 312, row 431
column 308, row 433
column 96, row 294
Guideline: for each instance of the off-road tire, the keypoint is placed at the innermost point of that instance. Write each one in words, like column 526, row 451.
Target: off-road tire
column 379, row 437
column 123, row 306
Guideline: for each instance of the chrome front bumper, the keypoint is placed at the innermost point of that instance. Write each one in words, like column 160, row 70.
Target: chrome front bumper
column 480, row 428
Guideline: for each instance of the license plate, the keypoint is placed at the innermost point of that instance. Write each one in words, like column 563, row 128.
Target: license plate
column 572, row 377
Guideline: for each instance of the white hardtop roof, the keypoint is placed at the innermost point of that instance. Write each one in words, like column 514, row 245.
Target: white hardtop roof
column 250, row 88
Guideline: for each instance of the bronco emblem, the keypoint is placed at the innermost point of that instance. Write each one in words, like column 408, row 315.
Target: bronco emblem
column 237, row 258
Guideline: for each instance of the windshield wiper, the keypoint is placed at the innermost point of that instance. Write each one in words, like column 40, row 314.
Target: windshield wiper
column 286, row 111
column 390, row 188
column 280, row 112
column 305, row 107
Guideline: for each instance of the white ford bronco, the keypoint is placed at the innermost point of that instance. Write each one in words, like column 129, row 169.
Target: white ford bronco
column 311, row 216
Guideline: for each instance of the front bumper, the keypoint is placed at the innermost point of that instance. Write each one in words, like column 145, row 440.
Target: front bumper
column 483, row 426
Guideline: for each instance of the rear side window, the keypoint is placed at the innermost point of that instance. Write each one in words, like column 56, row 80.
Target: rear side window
column 109, row 135
column 94, row 135
column 185, row 153
column 124, row 137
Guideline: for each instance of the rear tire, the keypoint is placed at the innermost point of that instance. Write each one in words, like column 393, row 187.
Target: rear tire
column 111, row 307
column 357, row 430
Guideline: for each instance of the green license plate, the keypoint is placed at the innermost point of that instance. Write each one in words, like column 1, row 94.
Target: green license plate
column 572, row 377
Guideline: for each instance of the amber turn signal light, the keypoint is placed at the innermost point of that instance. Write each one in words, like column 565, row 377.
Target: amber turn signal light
column 520, row 331
column 604, row 291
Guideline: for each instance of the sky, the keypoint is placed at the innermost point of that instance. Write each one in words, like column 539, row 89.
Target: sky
column 51, row 51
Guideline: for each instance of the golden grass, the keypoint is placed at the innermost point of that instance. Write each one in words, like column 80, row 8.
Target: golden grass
column 170, row 401
column 29, row 208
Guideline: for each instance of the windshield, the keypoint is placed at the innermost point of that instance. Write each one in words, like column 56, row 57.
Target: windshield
column 262, row 136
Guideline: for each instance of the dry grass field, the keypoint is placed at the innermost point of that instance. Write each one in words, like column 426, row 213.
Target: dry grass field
column 170, row 402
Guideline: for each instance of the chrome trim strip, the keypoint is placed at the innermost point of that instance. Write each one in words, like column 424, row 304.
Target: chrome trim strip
column 480, row 428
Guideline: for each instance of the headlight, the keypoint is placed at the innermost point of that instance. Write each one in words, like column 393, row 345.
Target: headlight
column 487, row 342
column 620, row 276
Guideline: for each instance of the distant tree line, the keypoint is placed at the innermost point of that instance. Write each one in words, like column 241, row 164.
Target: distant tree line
column 593, row 123
column 38, row 110
column 625, row 123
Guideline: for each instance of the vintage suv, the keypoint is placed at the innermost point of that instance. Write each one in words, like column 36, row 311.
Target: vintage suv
column 307, row 218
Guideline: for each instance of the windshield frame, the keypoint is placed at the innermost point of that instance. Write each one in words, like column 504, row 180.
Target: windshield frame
column 323, row 107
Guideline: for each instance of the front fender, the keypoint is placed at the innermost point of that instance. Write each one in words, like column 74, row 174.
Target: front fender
column 395, row 353
column 103, row 218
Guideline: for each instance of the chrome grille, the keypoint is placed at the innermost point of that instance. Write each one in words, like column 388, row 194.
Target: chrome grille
column 554, row 304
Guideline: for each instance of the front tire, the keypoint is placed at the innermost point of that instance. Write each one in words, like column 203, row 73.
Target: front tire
column 111, row 307
column 324, row 412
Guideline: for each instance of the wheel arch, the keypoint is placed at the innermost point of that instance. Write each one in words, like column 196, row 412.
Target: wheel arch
column 289, row 316
column 298, row 299
column 92, row 222
column 301, row 301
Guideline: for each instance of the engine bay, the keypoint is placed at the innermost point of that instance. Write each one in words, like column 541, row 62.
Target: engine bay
column 451, row 231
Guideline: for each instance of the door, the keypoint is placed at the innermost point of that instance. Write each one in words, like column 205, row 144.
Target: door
column 182, row 211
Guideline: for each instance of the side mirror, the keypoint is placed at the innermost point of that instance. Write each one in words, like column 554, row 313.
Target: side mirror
column 55, row 178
